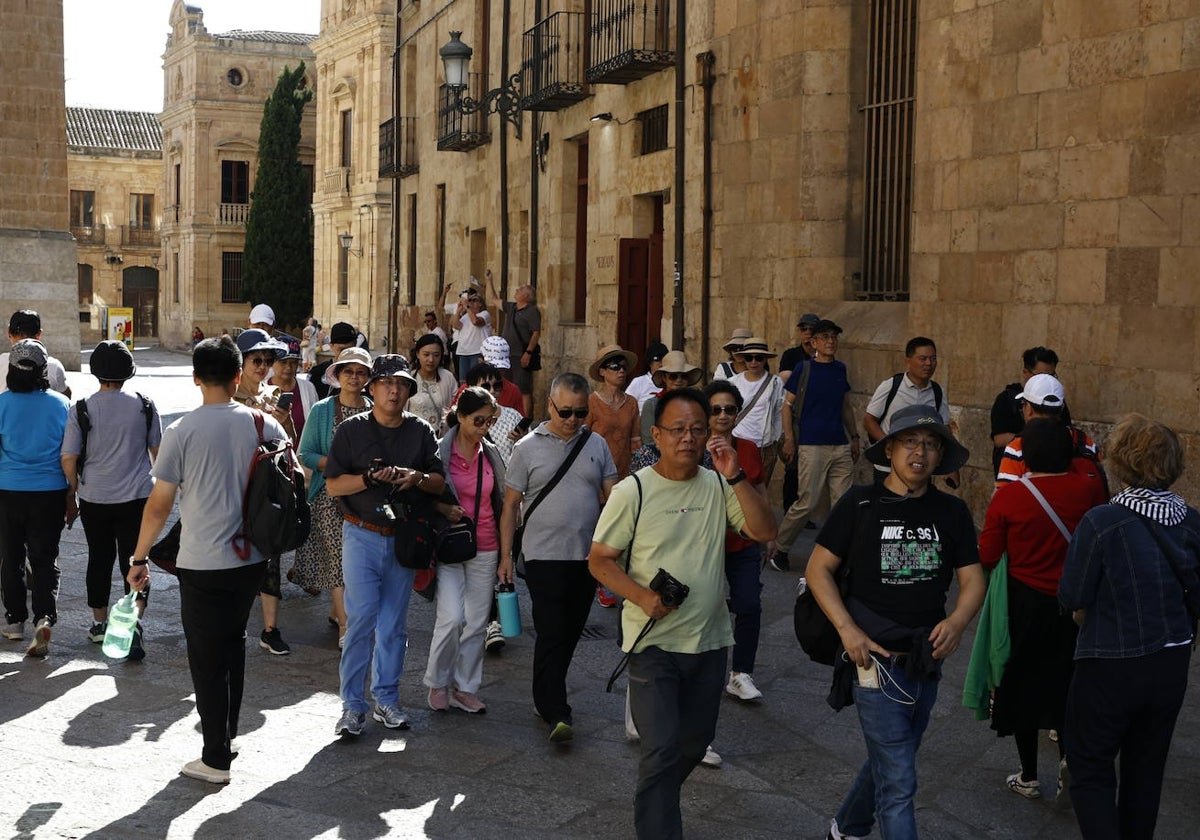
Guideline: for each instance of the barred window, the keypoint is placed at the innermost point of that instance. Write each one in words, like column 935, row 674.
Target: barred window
column 887, row 176
column 231, row 277
column 654, row 130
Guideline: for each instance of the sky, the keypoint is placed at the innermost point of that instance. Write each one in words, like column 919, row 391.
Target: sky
column 114, row 50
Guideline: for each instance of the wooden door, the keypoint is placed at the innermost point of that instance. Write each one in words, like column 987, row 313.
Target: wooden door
column 633, row 296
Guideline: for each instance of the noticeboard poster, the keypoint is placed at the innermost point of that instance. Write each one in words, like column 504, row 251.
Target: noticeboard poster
column 120, row 325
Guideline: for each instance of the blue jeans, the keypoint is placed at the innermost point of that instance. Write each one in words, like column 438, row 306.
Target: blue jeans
column 887, row 783
column 377, row 593
column 465, row 363
column 745, row 602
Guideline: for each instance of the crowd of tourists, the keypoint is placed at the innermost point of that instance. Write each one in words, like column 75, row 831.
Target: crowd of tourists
column 648, row 488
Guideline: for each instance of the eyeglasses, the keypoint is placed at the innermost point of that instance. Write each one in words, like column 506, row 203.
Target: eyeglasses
column 679, row 432
column 565, row 413
column 754, row 357
column 260, row 361
column 912, row 442
column 354, row 372
column 718, row 410
column 616, row 364
column 480, row 421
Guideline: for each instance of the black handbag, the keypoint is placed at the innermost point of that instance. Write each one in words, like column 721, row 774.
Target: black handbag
column 415, row 532
column 815, row 632
column 165, row 552
column 456, row 541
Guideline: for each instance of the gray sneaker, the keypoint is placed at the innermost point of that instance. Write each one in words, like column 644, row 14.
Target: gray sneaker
column 390, row 716
column 350, row 723
column 14, row 632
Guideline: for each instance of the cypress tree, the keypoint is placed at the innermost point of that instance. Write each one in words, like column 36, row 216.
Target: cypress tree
column 278, row 256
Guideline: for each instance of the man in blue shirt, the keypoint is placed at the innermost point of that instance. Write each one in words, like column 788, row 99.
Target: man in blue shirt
column 819, row 434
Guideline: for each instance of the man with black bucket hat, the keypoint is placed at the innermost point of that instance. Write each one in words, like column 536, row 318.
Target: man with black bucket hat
column 106, row 451
column 901, row 542
column 341, row 336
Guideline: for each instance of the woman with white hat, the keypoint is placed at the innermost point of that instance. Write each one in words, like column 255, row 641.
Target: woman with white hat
column 760, row 420
column 731, row 368
column 674, row 372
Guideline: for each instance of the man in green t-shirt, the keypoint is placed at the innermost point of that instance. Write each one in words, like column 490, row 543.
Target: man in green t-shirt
column 672, row 516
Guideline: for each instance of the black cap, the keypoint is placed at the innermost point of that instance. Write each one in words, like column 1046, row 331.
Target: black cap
column 824, row 326
column 655, row 352
column 111, row 361
column 25, row 322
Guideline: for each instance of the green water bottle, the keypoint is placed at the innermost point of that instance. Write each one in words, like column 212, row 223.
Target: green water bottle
column 122, row 621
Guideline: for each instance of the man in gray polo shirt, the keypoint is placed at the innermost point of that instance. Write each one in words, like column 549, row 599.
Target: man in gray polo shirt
column 207, row 453
column 557, row 537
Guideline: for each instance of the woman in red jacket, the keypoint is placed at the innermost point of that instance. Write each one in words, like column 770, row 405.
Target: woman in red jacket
column 1032, row 694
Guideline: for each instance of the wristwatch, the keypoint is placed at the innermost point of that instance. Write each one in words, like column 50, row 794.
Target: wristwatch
column 133, row 561
column 737, row 479
column 422, row 479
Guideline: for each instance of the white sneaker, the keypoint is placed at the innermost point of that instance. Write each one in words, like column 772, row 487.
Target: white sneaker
column 14, row 632
column 711, row 757
column 40, row 645
column 742, row 687
column 199, row 770
column 835, row 834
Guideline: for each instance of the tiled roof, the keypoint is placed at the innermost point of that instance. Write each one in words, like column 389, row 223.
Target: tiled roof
column 105, row 129
column 268, row 36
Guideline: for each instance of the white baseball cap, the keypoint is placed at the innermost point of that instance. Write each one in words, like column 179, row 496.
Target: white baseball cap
column 262, row 314
column 1043, row 389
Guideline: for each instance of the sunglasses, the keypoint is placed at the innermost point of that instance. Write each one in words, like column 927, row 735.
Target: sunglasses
column 618, row 364
column 479, row 422
column 565, row 413
column 492, row 384
column 754, row 357
column 718, row 410
column 678, row 375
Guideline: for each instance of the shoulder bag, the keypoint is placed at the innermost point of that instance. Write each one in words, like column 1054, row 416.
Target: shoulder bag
column 455, row 543
column 557, row 477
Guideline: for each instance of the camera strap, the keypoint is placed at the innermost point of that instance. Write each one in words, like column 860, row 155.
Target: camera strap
column 624, row 663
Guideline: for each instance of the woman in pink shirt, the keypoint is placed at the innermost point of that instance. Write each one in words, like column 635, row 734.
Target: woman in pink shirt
column 474, row 482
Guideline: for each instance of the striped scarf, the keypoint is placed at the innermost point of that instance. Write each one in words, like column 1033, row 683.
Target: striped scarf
column 1162, row 506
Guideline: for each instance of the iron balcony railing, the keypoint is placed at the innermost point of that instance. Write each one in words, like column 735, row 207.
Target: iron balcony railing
column 553, row 63
column 629, row 40
column 459, row 132
column 88, row 234
column 398, row 149
column 139, row 236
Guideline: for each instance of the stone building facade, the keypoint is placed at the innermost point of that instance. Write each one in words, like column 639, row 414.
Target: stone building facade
column 115, row 174
column 37, row 253
column 993, row 173
column 354, row 95
column 214, row 91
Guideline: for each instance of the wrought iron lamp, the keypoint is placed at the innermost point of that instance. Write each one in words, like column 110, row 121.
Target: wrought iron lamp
column 346, row 240
column 505, row 101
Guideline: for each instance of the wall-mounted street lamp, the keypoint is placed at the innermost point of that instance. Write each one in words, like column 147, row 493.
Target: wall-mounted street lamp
column 505, row 101
column 112, row 257
column 346, row 240
column 154, row 258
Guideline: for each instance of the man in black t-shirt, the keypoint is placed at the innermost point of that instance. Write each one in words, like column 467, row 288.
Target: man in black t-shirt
column 1007, row 418
column 903, row 541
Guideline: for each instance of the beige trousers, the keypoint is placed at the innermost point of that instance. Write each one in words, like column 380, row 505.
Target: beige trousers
column 817, row 467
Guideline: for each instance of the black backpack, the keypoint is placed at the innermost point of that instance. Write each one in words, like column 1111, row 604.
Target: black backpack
column 275, row 514
column 85, row 426
column 895, row 389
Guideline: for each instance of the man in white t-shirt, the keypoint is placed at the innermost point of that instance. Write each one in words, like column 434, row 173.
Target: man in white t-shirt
column 25, row 323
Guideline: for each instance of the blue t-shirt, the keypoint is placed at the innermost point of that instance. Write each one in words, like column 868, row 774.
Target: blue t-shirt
column 821, row 415
column 31, row 433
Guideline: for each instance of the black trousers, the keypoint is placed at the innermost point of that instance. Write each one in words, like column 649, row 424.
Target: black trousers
column 214, row 607
column 30, row 524
column 1125, row 708
column 111, row 532
column 561, row 592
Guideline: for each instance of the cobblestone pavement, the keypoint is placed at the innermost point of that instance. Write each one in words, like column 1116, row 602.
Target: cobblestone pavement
column 92, row 748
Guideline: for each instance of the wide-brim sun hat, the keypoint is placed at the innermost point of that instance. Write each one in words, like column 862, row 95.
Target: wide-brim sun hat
column 349, row 356
column 926, row 419
column 736, row 339
column 111, row 361
column 606, row 354
column 756, row 346
column 391, row 364
column 676, row 362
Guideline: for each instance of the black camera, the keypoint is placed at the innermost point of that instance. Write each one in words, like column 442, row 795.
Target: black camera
column 670, row 591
